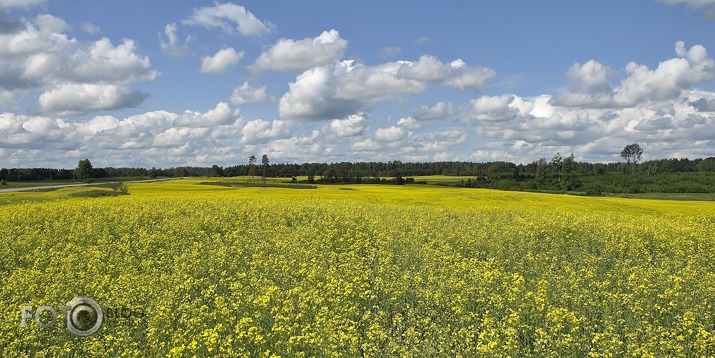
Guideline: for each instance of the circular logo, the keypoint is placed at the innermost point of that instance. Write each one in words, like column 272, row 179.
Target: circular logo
column 84, row 316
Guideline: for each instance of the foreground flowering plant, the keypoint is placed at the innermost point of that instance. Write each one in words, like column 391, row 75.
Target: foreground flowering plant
column 372, row 271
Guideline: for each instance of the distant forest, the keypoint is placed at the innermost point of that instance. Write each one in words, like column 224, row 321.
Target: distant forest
column 557, row 175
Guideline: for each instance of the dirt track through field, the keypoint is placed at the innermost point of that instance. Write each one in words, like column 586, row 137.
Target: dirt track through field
column 10, row 190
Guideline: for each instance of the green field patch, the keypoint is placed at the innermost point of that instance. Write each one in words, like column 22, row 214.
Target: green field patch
column 98, row 193
column 237, row 184
column 666, row 196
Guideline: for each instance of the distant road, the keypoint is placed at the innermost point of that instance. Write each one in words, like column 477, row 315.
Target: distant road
column 82, row 184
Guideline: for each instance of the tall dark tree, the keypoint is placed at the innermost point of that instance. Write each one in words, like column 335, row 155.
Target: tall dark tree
column 217, row 170
column 265, row 162
column 541, row 171
column 84, row 170
column 556, row 163
column 632, row 154
column 569, row 171
column 252, row 167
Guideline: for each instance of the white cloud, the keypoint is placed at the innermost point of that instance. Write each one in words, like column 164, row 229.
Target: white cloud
column 439, row 141
column 592, row 76
column 455, row 74
column 230, row 18
column 222, row 114
column 106, row 62
column 536, row 128
column 409, row 123
column 169, row 41
column 667, row 81
column 221, row 61
column 366, row 145
column 38, row 55
column 312, row 96
column 90, row 28
column 178, row 137
column 441, row 157
column 25, row 4
column 494, row 108
column 20, row 131
column 438, row 111
column 356, row 82
column 347, row 87
column 353, row 125
column 48, row 24
column 297, row 56
column 390, row 135
column 245, row 94
column 259, row 130
column 82, row 98
column 302, row 146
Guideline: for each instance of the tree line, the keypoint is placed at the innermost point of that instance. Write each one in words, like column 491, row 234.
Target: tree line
column 559, row 173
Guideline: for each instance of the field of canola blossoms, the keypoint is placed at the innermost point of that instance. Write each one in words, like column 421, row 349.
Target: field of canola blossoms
column 360, row 271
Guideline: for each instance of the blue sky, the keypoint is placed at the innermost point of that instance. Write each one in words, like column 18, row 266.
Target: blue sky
column 169, row 83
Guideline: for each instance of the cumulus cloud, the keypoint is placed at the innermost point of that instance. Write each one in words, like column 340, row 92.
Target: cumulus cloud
column 222, row 114
column 494, row 108
column 591, row 76
column 347, row 87
column 299, row 55
column 537, row 125
column 439, row 141
column 79, row 98
column 221, row 61
column 592, row 89
column 21, row 131
column 409, row 123
column 303, row 146
column 230, row 18
column 312, row 96
column 390, row 134
column 245, row 94
column 513, row 118
column 455, row 74
column 440, row 110
column 178, row 137
column 40, row 56
column 351, row 126
column 366, row 145
column 259, row 130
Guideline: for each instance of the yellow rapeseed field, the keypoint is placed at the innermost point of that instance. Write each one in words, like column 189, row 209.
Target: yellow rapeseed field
column 184, row 269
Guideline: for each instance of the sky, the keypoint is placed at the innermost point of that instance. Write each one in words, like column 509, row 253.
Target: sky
column 171, row 83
